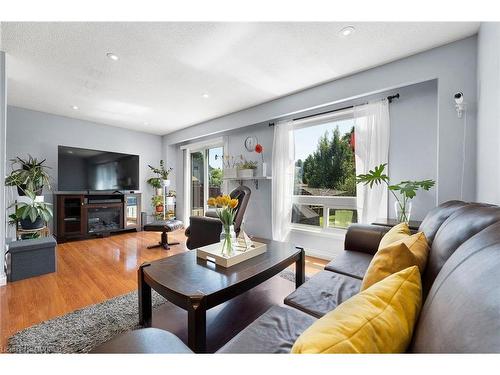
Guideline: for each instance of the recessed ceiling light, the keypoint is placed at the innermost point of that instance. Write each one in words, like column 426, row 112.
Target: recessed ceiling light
column 146, row 123
column 205, row 95
column 112, row 56
column 346, row 31
column 75, row 107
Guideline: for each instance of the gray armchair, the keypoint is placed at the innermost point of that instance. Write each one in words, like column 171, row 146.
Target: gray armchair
column 205, row 230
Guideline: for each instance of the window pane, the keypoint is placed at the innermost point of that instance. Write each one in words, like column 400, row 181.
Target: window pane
column 215, row 171
column 341, row 218
column 307, row 214
column 324, row 159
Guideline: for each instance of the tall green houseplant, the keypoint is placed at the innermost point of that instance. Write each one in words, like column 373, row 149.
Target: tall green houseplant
column 403, row 192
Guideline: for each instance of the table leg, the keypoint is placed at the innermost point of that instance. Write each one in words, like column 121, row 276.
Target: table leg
column 197, row 325
column 145, row 302
column 300, row 268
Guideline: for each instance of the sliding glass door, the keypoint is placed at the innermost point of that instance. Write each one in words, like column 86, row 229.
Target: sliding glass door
column 206, row 177
column 197, row 183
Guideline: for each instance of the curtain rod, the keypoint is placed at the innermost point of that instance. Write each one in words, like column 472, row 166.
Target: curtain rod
column 390, row 98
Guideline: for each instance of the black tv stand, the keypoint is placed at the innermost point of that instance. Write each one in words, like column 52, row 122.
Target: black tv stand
column 81, row 215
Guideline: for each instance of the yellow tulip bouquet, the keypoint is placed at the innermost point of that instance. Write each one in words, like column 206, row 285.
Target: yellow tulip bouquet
column 226, row 211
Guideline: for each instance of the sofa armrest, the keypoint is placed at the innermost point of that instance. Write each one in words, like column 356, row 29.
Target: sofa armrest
column 364, row 238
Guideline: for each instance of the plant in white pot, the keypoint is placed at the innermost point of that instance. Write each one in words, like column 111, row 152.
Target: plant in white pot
column 403, row 192
column 246, row 169
column 162, row 173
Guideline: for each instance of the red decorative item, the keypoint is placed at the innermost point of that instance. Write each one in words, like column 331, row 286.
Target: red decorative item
column 258, row 148
column 353, row 141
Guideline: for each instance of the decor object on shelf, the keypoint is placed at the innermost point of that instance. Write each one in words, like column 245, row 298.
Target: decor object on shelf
column 31, row 175
column 407, row 190
column 155, row 182
column 157, row 203
column 229, row 166
column 240, row 253
column 246, row 169
column 162, row 172
column 250, row 143
column 225, row 208
column 260, row 150
column 32, row 214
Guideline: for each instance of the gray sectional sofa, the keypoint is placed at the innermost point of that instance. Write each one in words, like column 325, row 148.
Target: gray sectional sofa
column 461, row 312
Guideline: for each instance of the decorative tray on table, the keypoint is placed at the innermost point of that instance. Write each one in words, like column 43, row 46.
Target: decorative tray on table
column 242, row 251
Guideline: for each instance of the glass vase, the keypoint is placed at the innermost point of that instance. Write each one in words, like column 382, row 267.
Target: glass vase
column 403, row 211
column 227, row 240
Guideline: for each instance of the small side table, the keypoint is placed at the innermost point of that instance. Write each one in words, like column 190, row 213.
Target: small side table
column 413, row 224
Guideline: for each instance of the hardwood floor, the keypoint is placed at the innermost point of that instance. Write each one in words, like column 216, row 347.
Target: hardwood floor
column 88, row 272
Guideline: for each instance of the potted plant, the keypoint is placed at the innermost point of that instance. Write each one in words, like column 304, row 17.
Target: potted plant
column 31, row 214
column 407, row 190
column 226, row 211
column 162, row 173
column 260, row 150
column 247, row 168
column 157, row 203
column 229, row 166
column 30, row 174
column 155, row 182
column 170, row 199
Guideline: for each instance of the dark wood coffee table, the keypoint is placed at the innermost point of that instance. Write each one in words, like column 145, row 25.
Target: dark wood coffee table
column 197, row 285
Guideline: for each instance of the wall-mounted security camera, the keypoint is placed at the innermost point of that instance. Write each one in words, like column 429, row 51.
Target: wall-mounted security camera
column 459, row 103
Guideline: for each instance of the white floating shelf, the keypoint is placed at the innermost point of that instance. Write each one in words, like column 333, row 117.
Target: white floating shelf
column 255, row 179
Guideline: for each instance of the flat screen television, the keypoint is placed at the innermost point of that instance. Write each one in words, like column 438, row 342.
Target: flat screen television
column 94, row 170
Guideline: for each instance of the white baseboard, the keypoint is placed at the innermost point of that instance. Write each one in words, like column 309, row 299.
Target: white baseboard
column 3, row 279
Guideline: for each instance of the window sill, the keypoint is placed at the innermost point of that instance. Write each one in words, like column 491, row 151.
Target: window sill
column 328, row 233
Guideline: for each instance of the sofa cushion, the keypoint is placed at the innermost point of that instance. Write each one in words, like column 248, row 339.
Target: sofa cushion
column 462, row 311
column 350, row 263
column 461, row 225
column 273, row 332
column 323, row 292
column 146, row 340
column 434, row 218
column 378, row 320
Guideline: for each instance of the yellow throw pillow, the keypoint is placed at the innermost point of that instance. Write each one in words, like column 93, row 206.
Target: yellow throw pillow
column 378, row 320
column 396, row 233
column 411, row 251
column 418, row 245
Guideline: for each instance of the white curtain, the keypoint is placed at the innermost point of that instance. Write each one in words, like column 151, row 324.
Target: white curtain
column 372, row 129
column 283, row 170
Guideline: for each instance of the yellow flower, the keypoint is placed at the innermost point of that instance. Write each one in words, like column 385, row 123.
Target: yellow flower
column 233, row 203
column 219, row 201
column 211, row 202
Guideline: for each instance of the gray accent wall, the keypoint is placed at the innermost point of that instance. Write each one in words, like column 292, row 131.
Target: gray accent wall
column 39, row 134
column 426, row 139
column 488, row 127
column 452, row 65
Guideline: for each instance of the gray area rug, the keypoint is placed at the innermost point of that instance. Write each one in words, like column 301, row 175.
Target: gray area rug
column 82, row 330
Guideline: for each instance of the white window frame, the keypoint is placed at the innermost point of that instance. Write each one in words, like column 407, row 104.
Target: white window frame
column 327, row 202
column 202, row 146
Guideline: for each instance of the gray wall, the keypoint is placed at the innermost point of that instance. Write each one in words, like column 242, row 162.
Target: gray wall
column 39, row 134
column 426, row 139
column 453, row 65
column 488, row 127
column 3, row 136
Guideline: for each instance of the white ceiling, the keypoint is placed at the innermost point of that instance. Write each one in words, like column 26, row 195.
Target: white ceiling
column 163, row 69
